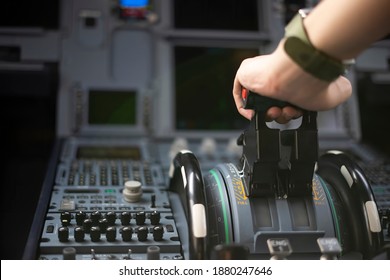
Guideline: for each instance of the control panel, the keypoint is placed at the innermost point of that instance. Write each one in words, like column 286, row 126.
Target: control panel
column 109, row 201
column 120, row 199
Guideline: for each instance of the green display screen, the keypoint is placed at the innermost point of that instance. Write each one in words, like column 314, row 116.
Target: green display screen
column 203, row 84
column 107, row 107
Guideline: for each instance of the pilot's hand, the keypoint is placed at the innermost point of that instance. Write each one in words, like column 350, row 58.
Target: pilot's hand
column 277, row 76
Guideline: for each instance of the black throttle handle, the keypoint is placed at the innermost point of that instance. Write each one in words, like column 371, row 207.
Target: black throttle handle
column 274, row 161
column 259, row 102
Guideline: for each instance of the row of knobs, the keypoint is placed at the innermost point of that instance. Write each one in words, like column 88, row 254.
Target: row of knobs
column 109, row 219
column 126, row 233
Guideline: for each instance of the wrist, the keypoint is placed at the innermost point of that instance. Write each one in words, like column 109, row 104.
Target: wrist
column 312, row 60
column 292, row 84
column 289, row 79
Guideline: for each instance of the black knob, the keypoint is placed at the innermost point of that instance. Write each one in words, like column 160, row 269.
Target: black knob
column 87, row 224
column 111, row 234
column 140, row 218
column 125, row 218
column 111, row 217
column 95, row 217
column 80, row 217
column 79, row 234
column 65, row 218
column 126, row 233
column 103, row 224
column 158, row 232
column 142, row 233
column 63, row 234
column 95, row 234
column 155, row 218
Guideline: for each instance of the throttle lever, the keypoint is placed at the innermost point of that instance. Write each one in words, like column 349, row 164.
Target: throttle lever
column 260, row 103
column 277, row 162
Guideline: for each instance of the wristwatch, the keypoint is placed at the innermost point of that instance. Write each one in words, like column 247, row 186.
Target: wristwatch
column 299, row 48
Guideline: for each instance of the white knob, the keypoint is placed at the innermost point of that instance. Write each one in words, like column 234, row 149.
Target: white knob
column 233, row 148
column 178, row 145
column 132, row 191
column 208, row 146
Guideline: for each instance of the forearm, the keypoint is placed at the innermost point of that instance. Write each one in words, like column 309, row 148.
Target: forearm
column 344, row 28
column 341, row 29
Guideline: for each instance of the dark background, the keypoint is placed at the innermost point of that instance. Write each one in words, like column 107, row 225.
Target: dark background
column 27, row 114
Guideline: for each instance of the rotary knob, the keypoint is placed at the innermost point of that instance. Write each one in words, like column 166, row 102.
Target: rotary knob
column 95, row 217
column 155, row 218
column 80, row 217
column 132, row 191
column 142, row 233
column 111, row 217
column 158, row 232
column 125, row 218
column 111, row 234
column 65, row 218
column 126, row 233
column 87, row 224
column 140, row 218
column 79, row 234
column 63, row 234
column 95, row 234
column 103, row 224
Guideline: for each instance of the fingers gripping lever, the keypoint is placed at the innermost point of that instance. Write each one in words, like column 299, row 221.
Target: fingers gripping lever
column 277, row 162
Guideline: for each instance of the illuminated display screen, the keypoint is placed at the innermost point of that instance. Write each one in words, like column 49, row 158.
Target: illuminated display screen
column 135, row 9
column 112, row 107
column 216, row 15
column 100, row 152
column 203, row 82
column 134, row 3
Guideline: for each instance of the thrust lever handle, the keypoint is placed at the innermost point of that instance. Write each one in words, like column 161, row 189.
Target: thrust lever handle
column 277, row 162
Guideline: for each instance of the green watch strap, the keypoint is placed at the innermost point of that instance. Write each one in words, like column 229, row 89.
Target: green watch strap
column 295, row 28
column 310, row 59
column 313, row 61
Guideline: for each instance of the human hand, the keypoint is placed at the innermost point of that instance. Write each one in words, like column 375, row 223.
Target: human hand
column 278, row 77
